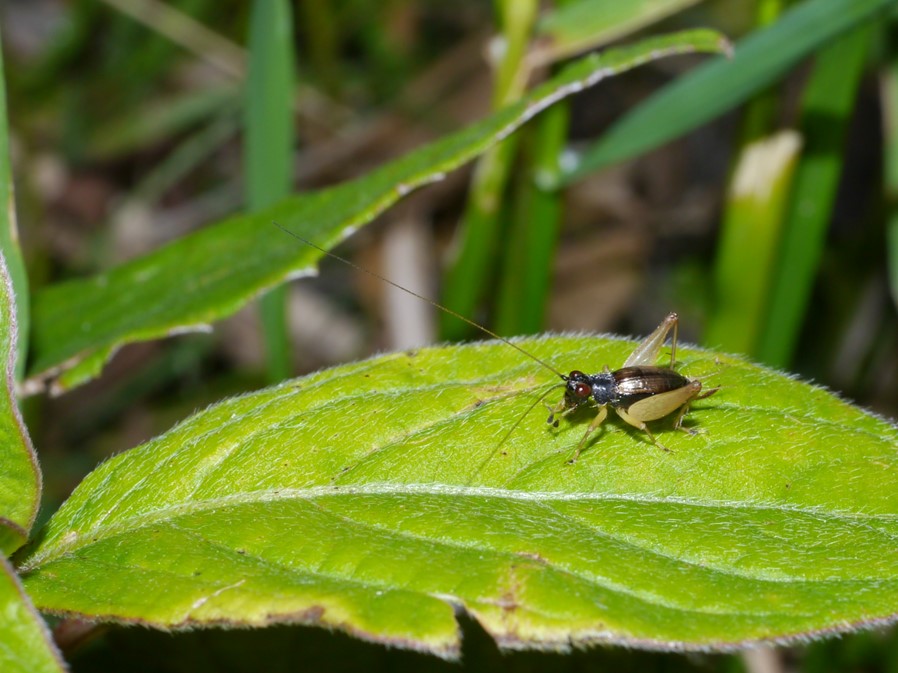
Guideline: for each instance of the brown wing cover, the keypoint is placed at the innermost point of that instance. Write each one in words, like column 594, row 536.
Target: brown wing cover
column 637, row 383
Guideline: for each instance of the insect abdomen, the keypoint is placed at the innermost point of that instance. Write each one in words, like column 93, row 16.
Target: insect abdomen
column 637, row 383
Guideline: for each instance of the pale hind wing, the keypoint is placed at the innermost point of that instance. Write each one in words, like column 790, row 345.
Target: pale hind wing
column 658, row 406
column 646, row 353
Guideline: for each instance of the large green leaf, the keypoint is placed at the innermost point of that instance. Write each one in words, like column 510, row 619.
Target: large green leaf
column 25, row 642
column 377, row 496
column 20, row 477
column 210, row 274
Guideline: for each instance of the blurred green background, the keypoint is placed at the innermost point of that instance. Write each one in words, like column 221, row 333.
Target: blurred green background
column 756, row 197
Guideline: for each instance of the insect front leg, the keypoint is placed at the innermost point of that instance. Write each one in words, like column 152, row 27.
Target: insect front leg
column 563, row 408
column 646, row 353
column 559, row 409
column 596, row 422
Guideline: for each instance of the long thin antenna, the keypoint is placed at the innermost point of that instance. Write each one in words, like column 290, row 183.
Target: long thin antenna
column 422, row 297
column 514, row 427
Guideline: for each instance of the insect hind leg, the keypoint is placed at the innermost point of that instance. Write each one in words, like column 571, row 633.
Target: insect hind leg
column 681, row 414
column 641, row 425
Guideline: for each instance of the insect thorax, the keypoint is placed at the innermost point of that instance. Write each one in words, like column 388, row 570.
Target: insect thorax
column 604, row 387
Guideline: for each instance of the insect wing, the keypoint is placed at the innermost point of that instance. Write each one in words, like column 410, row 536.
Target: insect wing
column 634, row 383
column 646, row 353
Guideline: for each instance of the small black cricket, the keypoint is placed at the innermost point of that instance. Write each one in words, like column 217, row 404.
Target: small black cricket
column 638, row 392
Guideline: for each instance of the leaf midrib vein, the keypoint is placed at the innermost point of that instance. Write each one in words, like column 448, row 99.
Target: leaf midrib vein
column 311, row 493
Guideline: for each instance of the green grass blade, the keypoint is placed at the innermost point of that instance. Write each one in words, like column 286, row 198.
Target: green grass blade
column 26, row 645
column 890, row 160
column 890, row 169
column 473, row 270
column 323, row 41
column 586, row 24
column 187, row 155
column 826, row 111
column 212, row 273
column 376, row 496
column 892, row 252
column 755, row 206
column 718, row 86
column 20, row 476
column 759, row 117
column 530, row 252
column 269, row 148
column 9, row 235
column 158, row 122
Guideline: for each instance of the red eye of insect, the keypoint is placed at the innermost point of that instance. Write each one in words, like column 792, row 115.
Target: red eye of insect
column 581, row 390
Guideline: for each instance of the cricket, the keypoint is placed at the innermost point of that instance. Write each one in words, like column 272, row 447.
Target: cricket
column 639, row 391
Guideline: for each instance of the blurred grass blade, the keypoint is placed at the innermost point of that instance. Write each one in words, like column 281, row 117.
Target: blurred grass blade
column 580, row 25
column 759, row 118
column 530, row 251
column 20, row 476
column 826, row 112
column 472, row 270
column 376, row 498
column 718, row 86
column 889, row 86
column 182, row 29
column 9, row 235
column 323, row 42
column 749, row 238
column 892, row 251
column 212, row 273
column 269, row 148
column 26, row 645
column 186, row 155
column 159, row 122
